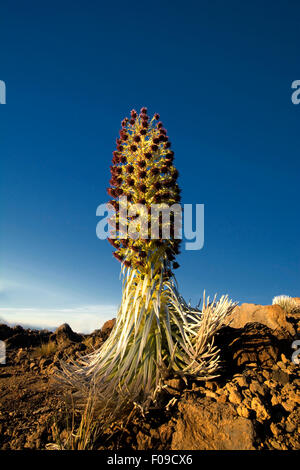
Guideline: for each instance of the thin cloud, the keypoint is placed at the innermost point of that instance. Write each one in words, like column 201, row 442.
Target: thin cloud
column 83, row 319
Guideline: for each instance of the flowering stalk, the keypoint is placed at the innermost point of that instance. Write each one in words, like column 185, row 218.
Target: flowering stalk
column 155, row 330
column 144, row 174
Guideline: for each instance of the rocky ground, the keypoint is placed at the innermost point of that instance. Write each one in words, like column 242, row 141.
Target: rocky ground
column 254, row 404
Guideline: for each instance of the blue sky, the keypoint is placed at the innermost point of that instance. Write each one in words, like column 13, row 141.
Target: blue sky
column 219, row 73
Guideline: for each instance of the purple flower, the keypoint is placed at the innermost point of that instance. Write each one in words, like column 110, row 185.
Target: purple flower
column 142, row 163
column 130, row 169
column 142, row 174
column 143, row 188
column 130, row 182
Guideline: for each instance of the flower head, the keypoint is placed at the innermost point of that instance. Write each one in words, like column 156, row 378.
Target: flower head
column 143, row 171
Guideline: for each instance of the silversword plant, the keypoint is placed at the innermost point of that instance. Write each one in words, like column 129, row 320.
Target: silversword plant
column 287, row 303
column 156, row 331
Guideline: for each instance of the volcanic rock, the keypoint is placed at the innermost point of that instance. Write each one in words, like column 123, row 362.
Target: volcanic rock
column 64, row 333
column 107, row 327
column 253, row 344
column 208, row 425
column 273, row 316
